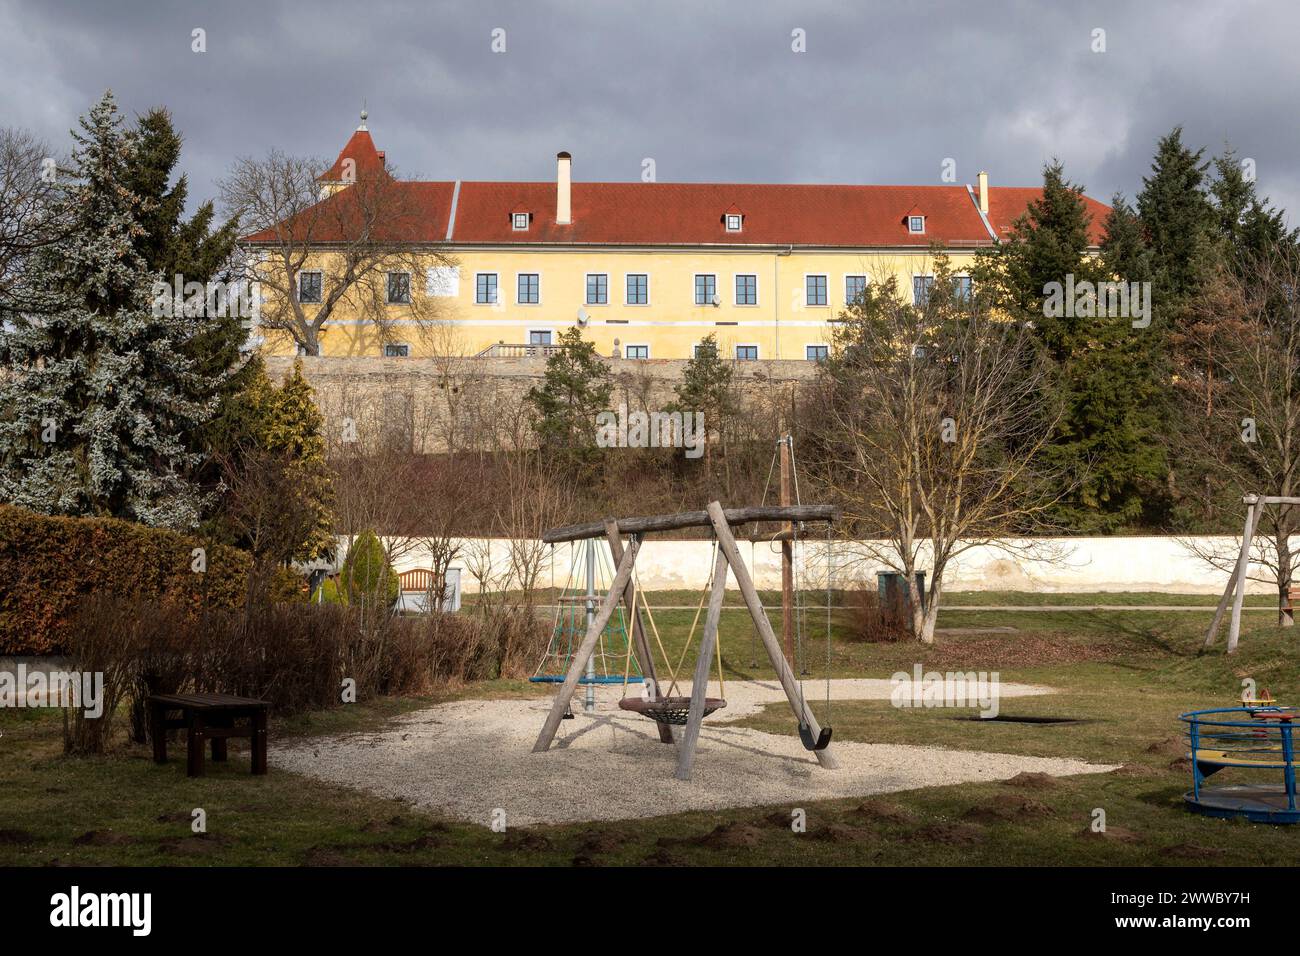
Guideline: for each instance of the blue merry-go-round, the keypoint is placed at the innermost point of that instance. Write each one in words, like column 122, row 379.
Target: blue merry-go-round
column 1254, row 738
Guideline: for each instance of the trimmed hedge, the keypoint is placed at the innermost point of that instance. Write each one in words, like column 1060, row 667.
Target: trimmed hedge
column 48, row 564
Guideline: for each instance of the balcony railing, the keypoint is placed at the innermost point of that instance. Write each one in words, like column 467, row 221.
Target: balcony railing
column 509, row 350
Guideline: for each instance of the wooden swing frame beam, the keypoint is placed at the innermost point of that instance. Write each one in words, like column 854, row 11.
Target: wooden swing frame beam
column 728, row 560
column 1236, row 589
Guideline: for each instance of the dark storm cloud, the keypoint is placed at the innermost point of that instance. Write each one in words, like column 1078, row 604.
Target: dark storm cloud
column 710, row 91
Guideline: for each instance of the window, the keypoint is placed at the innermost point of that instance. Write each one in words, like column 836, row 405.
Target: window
column 734, row 220
column 539, row 337
column 747, row 353
column 530, row 285
column 485, row 288
column 520, row 221
column 961, row 288
column 309, row 286
column 921, row 286
column 399, row 288
column 638, row 289
column 397, row 351
column 746, row 290
column 709, row 349
column 854, row 286
column 815, row 290
column 706, row 287
column 916, row 224
column 638, row 351
column 597, row 288
column 816, row 353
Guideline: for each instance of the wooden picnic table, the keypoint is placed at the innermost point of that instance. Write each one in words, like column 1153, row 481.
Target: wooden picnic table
column 208, row 717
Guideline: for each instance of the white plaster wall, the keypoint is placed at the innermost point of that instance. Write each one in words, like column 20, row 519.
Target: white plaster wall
column 1078, row 565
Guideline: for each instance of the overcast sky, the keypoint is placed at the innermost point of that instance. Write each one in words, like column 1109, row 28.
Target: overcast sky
column 712, row 91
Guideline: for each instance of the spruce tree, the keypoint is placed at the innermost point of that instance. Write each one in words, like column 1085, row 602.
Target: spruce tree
column 575, row 388
column 1106, row 446
column 1178, row 221
column 100, row 393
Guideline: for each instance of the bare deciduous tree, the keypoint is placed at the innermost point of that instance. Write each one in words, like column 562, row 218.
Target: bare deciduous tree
column 933, row 418
column 1245, row 424
column 355, row 237
column 28, row 216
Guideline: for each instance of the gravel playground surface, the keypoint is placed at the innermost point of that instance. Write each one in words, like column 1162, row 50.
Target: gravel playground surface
column 468, row 758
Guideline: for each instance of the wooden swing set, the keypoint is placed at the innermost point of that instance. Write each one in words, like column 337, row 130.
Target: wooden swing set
column 667, row 709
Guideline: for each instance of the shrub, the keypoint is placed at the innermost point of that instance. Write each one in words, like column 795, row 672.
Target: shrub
column 872, row 623
column 367, row 578
column 48, row 564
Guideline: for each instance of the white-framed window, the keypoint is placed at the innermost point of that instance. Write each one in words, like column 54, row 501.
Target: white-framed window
column 638, row 288
column 815, row 290
column 746, row 353
column 539, row 336
column 706, row 288
column 854, row 286
column 485, row 288
column 637, row 351
column 746, row 289
column 734, row 221
column 816, row 353
column 528, row 288
column 921, row 286
column 597, row 288
column 310, row 286
column 916, row 225
column 519, row 221
column 399, row 288
column 397, row 350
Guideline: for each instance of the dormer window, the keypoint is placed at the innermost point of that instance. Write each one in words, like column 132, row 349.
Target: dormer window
column 734, row 221
column 520, row 221
column 916, row 225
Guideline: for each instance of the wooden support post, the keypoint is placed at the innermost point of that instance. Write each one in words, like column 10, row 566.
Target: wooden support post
column 787, row 559
column 639, row 642
column 700, row 681
column 1243, row 565
column 585, row 650
column 727, row 545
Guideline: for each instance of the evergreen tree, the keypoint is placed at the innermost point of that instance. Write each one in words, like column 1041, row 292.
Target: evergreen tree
column 705, row 387
column 367, row 579
column 1106, row 376
column 1178, row 221
column 1246, row 226
column 101, row 393
column 575, row 388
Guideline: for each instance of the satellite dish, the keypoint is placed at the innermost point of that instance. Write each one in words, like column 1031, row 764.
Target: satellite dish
column 717, row 299
column 583, row 318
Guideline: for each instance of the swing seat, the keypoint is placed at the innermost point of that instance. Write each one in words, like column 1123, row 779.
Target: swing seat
column 821, row 743
column 669, row 710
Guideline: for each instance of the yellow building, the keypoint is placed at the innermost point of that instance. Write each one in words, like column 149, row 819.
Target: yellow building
column 646, row 269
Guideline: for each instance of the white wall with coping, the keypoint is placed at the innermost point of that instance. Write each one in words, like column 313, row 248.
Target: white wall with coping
column 1153, row 563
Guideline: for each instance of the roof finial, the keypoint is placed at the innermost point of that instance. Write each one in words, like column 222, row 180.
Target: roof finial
column 364, row 114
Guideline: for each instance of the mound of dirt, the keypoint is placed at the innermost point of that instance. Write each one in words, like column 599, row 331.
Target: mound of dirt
column 1112, row 834
column 840, row 833
column 15, row 837
column 1029, row 780
column 1192, row 851
column 597, row 843
column 883, row 812
column 103, row 838
column 525, row 840
column 323, row 856
column 1169, row 747
column 1006, row 808
column 948, row 834
column 725, row 836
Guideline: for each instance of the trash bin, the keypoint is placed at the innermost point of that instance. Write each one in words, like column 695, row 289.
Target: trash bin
column 893, row 592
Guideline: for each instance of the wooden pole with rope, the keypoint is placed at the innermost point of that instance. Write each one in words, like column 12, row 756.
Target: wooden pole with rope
column 644, row 657
column 787, row 555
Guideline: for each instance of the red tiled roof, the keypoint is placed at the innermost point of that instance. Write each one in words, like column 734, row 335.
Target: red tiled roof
column 361, row 150
column 1008, row 203
column 660, row 214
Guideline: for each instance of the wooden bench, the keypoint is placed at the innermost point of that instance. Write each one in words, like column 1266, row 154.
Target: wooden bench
column 208, row 717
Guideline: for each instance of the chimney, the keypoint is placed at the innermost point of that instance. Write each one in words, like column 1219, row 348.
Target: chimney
column 983, row 180
column 563, row 182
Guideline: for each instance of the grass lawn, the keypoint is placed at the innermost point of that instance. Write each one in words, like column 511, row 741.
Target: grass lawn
column 1124, row 676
